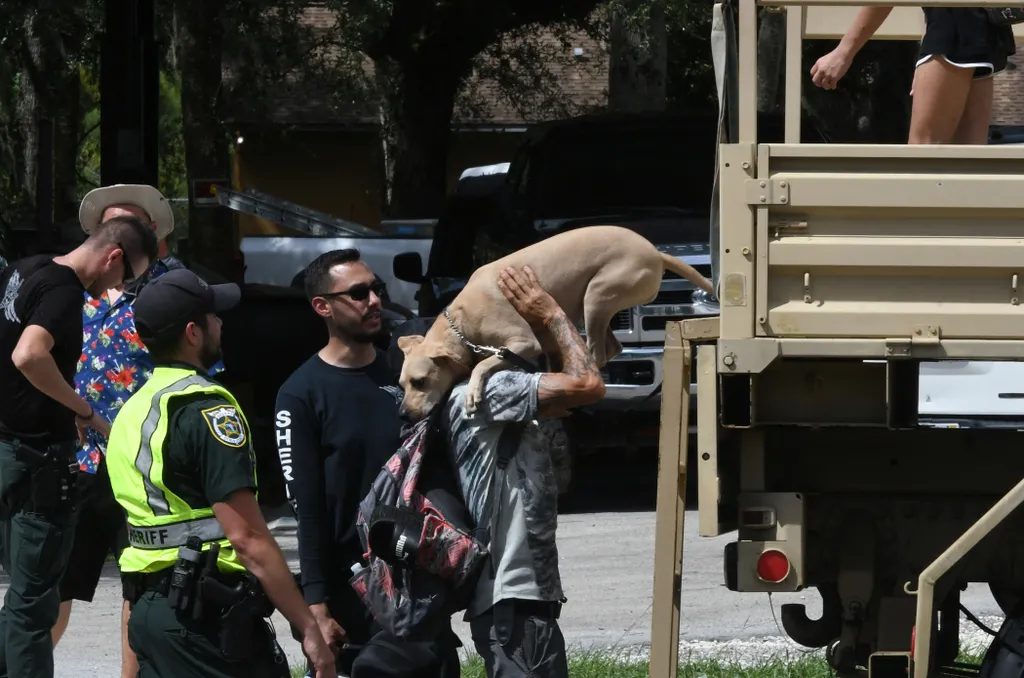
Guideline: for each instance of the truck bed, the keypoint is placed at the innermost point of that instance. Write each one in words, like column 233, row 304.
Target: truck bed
column 904, row 245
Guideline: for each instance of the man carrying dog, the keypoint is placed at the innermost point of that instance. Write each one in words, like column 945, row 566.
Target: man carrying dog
column 114, row 364
column 513, row 614
column 40, row 343
column 337, row 424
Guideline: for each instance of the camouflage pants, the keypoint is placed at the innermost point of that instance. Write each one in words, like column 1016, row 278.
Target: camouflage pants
column 519, row 639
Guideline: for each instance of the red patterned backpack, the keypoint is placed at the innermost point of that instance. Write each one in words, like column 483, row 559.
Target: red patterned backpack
column 423, row 555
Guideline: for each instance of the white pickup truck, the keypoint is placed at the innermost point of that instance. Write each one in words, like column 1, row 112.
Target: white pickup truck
column 278, row 260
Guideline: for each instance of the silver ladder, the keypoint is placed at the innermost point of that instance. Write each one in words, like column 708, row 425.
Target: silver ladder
column 314, row 222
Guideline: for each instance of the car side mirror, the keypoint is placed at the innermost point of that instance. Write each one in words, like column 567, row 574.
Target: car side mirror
column 408, row 267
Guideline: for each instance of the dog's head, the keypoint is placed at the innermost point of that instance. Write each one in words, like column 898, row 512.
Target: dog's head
column 428, row 371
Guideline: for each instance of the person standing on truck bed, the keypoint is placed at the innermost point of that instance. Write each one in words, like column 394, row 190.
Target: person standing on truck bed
column 202, row 571
column 41, row 339
column 113, row 365
column 952, row 93
column 337, row 425
column 513, row 615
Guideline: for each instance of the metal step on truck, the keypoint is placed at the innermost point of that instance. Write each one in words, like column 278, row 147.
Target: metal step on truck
column 844, row 272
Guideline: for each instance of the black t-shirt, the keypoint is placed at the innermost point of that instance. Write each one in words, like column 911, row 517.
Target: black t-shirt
column 37, row 291
column 208, row 455
column 335, row 429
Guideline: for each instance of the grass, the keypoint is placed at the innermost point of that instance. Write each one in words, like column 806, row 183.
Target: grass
column 598, row 665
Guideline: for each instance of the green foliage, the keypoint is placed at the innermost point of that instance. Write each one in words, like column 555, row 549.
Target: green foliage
column 89, row 143
column 691, row 72
column 171, row 144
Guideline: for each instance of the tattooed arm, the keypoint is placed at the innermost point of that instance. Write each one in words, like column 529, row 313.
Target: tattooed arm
column 577, row 382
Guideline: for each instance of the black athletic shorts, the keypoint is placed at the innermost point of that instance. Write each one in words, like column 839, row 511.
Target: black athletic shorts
column 101, row 530
column 966, row 38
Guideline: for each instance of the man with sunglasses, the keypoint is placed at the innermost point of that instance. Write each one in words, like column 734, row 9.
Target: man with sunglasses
column 114, row 364
column 337, row 424
column 41, row 341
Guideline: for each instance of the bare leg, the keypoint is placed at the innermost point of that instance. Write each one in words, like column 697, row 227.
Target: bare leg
column 613, row 346
column 63, row 616
column 973, row 128
column 597, row 321
column 527, row 348
column 129, row 664
column 940, row 98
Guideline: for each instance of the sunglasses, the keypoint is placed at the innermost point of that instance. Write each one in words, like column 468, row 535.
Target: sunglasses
column 129, row 272
column 358, row 292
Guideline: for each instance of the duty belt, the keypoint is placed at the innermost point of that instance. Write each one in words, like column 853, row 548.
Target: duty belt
column 173, row 535
column 51, row 452
column 138, row 583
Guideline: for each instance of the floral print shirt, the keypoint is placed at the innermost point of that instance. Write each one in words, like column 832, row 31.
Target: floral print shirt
column 114, row 363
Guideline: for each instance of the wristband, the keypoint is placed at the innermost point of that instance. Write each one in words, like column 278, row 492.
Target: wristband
column 87, row 417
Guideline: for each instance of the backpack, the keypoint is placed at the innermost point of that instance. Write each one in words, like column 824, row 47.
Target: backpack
column 423, row 555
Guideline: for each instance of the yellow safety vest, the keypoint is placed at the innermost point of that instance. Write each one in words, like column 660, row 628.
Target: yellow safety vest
column 159, row 522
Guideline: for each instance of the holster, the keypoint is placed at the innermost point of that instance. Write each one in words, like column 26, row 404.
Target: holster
column 241, row 610
column 48, row 483
column 235, row 605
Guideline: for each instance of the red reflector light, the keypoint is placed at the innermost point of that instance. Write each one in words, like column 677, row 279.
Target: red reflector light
column 773, row 567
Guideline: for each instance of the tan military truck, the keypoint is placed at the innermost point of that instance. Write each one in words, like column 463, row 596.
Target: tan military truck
column 841, row 269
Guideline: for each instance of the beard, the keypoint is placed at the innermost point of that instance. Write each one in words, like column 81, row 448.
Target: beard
column 358, row 332
column 210, row 354
column 361, row 336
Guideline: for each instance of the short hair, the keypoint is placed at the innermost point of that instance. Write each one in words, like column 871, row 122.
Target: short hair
column 318, row 273
column 164, row 348
column 130, row 232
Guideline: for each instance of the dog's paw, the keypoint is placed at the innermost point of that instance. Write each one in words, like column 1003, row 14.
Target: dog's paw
column 473, row 396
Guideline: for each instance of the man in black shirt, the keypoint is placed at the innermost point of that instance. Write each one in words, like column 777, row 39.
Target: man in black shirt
column 337, row 424
column 40, row 344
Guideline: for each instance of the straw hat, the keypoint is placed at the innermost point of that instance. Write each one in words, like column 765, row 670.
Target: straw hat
column 148, row 198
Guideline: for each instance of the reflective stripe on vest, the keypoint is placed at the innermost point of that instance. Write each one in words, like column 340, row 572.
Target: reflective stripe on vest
column 173, row 535
column 144, row 461
column 159, row 521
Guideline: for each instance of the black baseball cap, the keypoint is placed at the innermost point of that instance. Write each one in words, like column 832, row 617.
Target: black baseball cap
column 177, row 296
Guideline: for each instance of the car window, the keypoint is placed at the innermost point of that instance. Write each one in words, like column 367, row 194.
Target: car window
column 490, row 244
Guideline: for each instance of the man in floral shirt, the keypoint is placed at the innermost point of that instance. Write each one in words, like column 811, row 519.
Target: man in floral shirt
column 114, row 365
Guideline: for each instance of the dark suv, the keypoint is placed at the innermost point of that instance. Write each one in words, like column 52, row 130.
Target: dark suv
column 650, row 173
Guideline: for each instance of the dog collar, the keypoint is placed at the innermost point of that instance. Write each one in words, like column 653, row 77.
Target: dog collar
column 502, row 352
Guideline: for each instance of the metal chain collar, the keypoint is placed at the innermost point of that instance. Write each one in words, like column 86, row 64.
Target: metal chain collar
column 481, row 350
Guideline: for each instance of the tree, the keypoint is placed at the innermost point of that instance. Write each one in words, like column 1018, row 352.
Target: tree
column 690, row 72
column 423, row 52
column 43, row 48
column 198, row 52
column 639, row 56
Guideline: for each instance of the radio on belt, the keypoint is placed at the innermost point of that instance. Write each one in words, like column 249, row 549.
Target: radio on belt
column 183, row 576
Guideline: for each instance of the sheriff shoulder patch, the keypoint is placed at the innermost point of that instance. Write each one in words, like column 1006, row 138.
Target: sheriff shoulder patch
column 226, row 425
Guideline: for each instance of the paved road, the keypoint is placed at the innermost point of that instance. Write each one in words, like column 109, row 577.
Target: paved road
column 606, row 561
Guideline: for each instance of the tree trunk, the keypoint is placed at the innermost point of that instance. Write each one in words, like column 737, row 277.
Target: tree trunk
column 199, row 53
column 639, row 58
column 418, row 103
column 50, row 89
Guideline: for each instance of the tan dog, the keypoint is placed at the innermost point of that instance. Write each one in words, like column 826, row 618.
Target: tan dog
column 592, row 272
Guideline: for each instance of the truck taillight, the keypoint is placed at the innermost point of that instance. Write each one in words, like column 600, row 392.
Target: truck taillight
column 773, row 567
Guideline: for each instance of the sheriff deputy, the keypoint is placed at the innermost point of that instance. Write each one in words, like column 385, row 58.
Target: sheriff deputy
column 202, row 572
